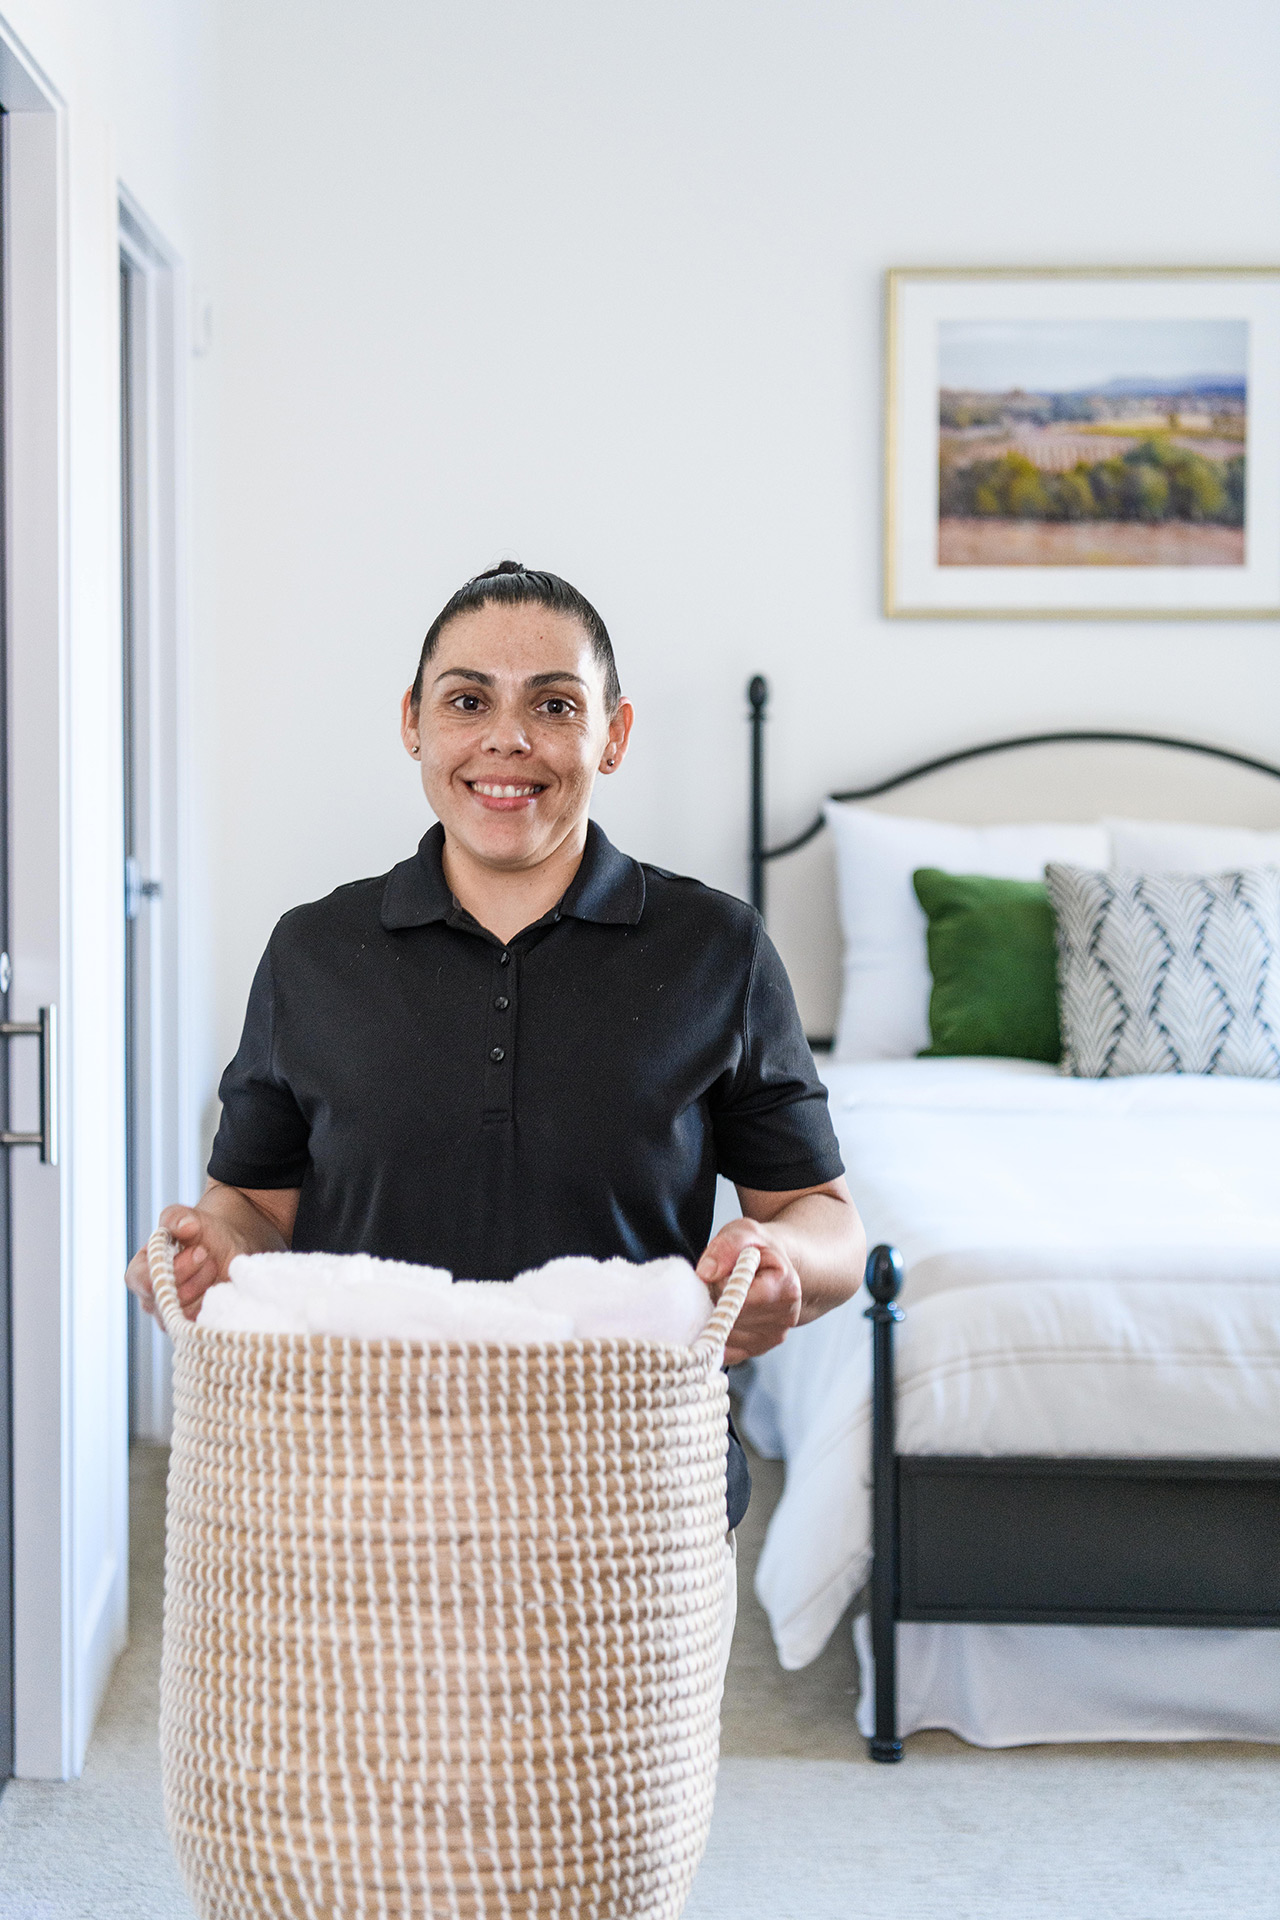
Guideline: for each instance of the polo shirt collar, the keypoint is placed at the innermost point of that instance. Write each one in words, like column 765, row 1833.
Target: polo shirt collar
column 608, row 888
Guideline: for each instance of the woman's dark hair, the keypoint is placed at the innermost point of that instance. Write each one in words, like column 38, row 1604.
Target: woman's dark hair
column 510, row 584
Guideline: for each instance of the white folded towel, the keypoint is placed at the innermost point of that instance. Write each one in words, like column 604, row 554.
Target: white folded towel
column 614, row 1299
column 367, row 1299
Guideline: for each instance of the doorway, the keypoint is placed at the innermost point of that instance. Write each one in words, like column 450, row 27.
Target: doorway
column 6, row 1348
column 46, row 1659
column 149, row 626
column 34, row 1078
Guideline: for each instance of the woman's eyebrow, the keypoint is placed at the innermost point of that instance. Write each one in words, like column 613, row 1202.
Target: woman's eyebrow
column 486, row 679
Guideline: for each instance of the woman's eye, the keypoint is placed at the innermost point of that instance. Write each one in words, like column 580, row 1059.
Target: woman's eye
column 557, row 706
column 467, row 703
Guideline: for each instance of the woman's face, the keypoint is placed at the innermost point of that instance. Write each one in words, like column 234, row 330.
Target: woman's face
column 511, row 731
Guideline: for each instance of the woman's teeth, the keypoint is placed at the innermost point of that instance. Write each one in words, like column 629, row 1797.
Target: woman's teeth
column 492, row 792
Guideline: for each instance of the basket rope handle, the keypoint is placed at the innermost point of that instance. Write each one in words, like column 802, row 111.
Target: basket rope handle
column 164, row 1286
column 715, row 1335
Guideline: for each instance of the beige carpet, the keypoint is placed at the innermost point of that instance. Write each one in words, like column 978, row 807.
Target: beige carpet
column 1120, row 1832
column 96, row 1848
column 806, row 1828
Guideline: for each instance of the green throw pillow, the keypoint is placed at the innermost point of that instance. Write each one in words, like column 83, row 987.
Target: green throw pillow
column 993, row 957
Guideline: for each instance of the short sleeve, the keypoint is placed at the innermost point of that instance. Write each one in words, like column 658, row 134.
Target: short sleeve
column 772, row 1128
column 262, row 1137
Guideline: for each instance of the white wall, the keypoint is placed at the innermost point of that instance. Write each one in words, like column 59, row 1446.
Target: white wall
column 600, row 286
column 134, row 80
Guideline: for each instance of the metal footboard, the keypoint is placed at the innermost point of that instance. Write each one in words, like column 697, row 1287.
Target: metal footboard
column 1030, row 1540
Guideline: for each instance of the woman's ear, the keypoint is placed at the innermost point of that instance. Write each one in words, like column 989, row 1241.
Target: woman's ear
column 619, row 734
column 409, row 726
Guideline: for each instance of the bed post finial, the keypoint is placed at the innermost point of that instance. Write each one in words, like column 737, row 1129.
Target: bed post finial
column 884, row 1281
column 758, row 695
column 884, row 1275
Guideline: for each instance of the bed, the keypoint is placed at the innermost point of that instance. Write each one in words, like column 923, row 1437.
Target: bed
column 1065, row 1503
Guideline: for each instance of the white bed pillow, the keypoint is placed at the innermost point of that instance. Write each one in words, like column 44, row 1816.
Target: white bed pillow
column 884, row 1005
column 1168, row 846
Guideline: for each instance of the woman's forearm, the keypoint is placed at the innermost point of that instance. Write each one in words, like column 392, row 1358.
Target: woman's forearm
column 812, row 1249
column 822, row 1236
column 228, row 1221
column 826, row 1243
column 261, row 1219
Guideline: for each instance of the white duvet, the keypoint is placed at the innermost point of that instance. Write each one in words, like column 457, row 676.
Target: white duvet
column 1092, row 1267
column 983, row 1170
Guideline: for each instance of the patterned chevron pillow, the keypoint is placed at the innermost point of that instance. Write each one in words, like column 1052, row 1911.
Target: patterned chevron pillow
column 1168, row 973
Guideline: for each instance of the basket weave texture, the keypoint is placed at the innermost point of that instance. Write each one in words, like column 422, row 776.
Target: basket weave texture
column 442, row 1623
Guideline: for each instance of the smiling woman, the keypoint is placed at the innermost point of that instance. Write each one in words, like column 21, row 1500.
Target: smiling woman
column 515, row 708
column 519, row 1043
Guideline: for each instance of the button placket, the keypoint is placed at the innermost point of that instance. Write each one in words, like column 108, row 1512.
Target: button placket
column 500, row 1039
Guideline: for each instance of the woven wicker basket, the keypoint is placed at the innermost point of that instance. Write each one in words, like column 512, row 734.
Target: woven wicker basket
column 442, row 1623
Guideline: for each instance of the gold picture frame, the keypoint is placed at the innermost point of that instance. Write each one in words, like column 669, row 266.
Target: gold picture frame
column 1215, row 555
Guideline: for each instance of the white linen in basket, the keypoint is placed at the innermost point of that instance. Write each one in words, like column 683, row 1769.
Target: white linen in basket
column 364, row 1298
column 884, row 1006
column 1168, row 972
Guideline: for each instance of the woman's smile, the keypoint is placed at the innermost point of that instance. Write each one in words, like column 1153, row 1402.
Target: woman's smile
column 499, row 798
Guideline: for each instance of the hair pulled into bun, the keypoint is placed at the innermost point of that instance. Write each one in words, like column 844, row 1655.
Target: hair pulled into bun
column 509, row 584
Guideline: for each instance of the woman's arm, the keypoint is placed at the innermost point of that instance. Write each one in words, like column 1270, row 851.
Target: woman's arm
column 812, row 1251
column 228, row 1221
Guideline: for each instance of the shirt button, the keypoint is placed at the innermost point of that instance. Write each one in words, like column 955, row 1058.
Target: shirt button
column 502, row 1003
column 497, row 1055
column 504, row 959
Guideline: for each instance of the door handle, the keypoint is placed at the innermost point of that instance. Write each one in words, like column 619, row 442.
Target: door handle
column 45, row 1029
column 136, row 889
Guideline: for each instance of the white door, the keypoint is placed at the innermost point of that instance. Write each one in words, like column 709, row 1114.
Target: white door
column 43, row 1656
column 151, row 839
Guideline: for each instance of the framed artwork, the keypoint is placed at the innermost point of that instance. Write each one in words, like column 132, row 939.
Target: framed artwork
column 1083, row 443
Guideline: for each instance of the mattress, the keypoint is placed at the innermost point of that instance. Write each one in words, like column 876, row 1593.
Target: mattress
column 1093, row 1267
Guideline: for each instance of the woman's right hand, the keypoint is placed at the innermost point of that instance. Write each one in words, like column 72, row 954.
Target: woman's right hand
column 228, row 1221
column 206, row 1247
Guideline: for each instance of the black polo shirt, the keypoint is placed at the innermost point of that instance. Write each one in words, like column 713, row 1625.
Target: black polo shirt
column 441, row 1097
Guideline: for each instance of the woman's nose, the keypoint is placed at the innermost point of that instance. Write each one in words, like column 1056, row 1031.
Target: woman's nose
column 505, row 734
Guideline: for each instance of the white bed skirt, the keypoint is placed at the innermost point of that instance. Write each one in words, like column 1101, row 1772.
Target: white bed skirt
column 1011, row 1686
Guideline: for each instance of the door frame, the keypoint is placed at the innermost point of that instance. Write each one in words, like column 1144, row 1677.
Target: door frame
column 50, row 1656
column 154, row 632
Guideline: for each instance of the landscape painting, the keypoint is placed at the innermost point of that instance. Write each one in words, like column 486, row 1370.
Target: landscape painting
column 1113, row 442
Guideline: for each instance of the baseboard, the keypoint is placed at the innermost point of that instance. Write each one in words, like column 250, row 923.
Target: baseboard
column 103, row 1640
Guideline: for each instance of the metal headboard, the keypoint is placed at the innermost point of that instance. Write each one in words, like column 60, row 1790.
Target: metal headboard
column 758, row 697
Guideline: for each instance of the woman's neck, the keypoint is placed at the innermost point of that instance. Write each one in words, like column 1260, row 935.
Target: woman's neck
column 505, row 900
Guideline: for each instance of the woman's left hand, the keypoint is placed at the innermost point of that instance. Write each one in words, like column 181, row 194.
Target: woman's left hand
column 772, row 1307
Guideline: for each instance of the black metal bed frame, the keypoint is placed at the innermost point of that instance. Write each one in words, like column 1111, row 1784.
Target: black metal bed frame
column 758, row 700
column 1079, row 1541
